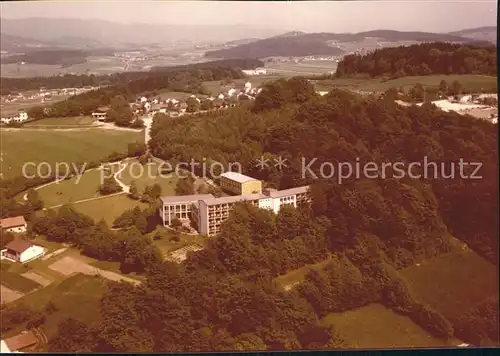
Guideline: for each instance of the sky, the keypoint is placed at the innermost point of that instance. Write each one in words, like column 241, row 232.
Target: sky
column 307, row 16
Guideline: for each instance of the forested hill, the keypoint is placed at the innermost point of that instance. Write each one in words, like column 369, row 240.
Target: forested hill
column 298, row 44
column 364, row 229
column 10, row 85
column 422, row 59
column 410, row 217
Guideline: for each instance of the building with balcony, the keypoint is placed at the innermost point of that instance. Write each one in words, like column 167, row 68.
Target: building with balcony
column 207, row 213
column 179, row 207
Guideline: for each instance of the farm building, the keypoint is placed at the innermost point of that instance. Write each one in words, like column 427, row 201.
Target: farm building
column 14, row 224
column 22, row 251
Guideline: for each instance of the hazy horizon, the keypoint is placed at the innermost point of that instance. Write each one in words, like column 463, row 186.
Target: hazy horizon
column 307, row 16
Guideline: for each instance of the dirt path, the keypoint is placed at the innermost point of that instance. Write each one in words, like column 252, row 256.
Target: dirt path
column 125, row 188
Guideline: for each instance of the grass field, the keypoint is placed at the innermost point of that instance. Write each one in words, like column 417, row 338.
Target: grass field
column 454, row 282
column 472, row 82
column 21, row 146
column 77, row 188
column 165, row 245
column 148, row 175
column 303, row 68
column 76, row 121
column 296, row 276
column 107, row 208
column 374, row 326
column 77, row 297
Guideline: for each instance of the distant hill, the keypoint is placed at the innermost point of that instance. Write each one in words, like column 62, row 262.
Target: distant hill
column 294, row 45
column 11, row 43
column 112, row 34
column 52, row 56
column 297, row 44
column 486, row 33
column 241, row 42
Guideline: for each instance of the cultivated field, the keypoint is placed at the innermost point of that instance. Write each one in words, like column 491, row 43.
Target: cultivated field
column 472, row 82
column 69, row 145
column 71, row 282
column 70, row 265
column 374, row 326
column 454, row 282
column 13, row 107
column 77, row 297
column 302, row 68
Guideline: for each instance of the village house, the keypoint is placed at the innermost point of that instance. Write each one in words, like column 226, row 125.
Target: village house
column 21, row 250
column 100, row 113
column 183, row 107
column 20, row 117
column 21, row 343
column 15, row 224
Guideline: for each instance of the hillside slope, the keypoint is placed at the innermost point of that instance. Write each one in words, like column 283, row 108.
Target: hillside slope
column 296, row 44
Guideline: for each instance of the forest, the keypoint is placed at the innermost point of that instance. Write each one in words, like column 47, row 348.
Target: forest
column 63, row 57
column 14, row 85
column 421, row 59
column 225, row 298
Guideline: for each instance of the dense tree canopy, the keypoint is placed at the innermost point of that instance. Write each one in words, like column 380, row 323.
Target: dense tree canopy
column 421, row 59
column 364, row 229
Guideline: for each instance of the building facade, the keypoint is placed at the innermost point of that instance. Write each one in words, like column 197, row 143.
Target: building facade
column 207, row 213
column 239, row 184
column 179, row 207
column 22, row 251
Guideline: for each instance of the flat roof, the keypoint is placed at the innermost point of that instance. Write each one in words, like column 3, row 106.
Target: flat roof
column 233, row 199
column 237, row 177
column 172, row 199
column 288, row 192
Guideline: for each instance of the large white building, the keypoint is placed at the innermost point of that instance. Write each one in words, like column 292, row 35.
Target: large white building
column 257, row 71
column 208, row 213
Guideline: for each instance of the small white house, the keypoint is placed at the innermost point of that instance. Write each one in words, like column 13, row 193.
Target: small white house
column 231, row 92
column 22, row 251
column 144, row 99
column 15, row 224
column 221, row 96
column 20, row 117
